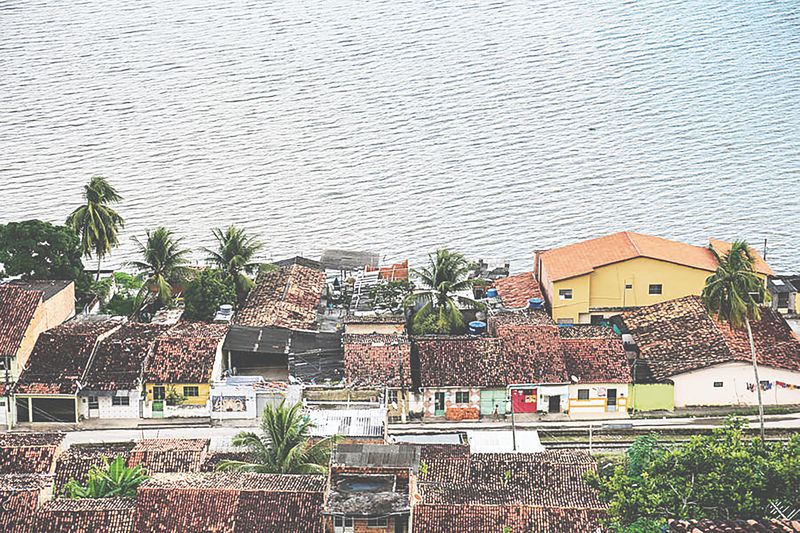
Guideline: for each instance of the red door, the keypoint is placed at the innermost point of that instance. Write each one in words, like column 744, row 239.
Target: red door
column 523, row 400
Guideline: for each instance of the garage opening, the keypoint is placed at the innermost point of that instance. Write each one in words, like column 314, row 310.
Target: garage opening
column 54, row 410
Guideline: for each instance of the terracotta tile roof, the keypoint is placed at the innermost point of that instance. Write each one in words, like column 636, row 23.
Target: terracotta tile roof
column 17, row 307
column 20, row 495
column 117, row 364
column 185, row 353
column 461, row 361
column 214, row 458
column 231, row 502
column 596, row 360
column 76, row 461
column 678, row 336
column 288, row 298
column 377, row 360
column 520, row 318
column 526, row 491
column 733, row 526
column 169, row 455
column 60, row 357
column 583, row 257
column 107, row 515
column 30, row 453
column 586, row 331
column 478, row 518
column 516, row 290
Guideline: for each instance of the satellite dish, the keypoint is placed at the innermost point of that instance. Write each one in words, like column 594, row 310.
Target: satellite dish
column 575, row 379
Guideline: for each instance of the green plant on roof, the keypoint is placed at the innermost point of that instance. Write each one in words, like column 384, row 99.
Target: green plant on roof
column 285, row 446
column 423, row 468
column 109, row 480
column 95, row 222
column 506, row 477
column 442, row 281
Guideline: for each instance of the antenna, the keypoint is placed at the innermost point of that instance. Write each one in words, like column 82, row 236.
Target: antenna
column 764, row 255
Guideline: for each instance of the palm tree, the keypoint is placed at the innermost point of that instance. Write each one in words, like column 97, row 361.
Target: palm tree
column 733, row 293
column 165, row 263
column 442, row 279
column 234, row 255
column 95, row 222
column 285, row 447
column 110, row 480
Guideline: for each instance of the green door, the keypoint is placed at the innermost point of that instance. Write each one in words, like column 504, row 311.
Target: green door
column 492, row 398
column 438, row 404
column 158, row 408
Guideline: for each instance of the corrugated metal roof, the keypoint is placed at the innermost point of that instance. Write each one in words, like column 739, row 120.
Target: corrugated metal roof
column 348, row 422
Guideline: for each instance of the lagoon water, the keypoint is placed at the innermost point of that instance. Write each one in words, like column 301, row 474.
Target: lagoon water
column 493, row 127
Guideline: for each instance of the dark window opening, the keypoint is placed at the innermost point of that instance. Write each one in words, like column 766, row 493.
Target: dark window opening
column 656, row 288
column 583, row 394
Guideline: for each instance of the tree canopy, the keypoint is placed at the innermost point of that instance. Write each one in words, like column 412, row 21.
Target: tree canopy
column 724, row 475
column 209, row 289
column 164, row 263
column 235, row 255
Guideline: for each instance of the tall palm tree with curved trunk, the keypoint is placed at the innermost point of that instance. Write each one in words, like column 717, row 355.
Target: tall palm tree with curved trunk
column 284, row 448
column 234, row 255
column 442, row 280
column 96, row 222
column 164, row 263
column 733, row 293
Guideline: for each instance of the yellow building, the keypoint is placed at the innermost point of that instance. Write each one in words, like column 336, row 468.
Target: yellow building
column 594, row 279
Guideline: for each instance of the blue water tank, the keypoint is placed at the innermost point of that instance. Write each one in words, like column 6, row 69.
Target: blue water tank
column 535, row 303
column 491, row 293
column 477, row 327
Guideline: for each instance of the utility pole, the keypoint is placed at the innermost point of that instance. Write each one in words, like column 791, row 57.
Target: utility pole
column 513, row 424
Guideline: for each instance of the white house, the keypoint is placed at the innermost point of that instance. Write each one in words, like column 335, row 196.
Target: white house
column 710, row 363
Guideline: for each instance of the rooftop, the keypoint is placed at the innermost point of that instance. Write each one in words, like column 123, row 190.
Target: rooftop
column 373, row 318
column 109, row 515
column 231, row 502
column 185, row 353
column 76, row 461
column 169, row 455
column 17, row 307
column 516, row 290
column 679, row 336
column 288, row 298
column 348, row 422
column 257, row 340
column 733, row 526
column 596, row 360
column 367, row 495
column 377, row 360
column 32, row 453
column 479, row 518
column 376, row 456
column 48, row 287
column 60, row 357
column 117, row 364
column 583, row 257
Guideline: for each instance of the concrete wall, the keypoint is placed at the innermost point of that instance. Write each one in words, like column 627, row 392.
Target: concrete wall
column 108, row 410
column 697, row 387
column 598, row 401
column 367, row 329
column 652, row 397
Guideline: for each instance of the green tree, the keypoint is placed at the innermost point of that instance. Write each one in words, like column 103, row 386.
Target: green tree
column 110, row 480
column 208, row 290
column 235, row 255
column 391, row 294
column 733, row 293
column 36, row 250
column 285, row 447
column 96, row 222
column 441, row 281
column 721, row 476
column 164, row 264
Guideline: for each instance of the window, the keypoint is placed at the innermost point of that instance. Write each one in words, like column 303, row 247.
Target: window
column 462, row 397
column 343, row 524
column 4, row 362
column 629, row 285
column 159, row 393
column 120, row 400
column 93, row 402
column 565, row 322
column 565, row 294
column 377, row 522
column 783, row 300
column 655, row 288
column 392, row 398
column 583, row 394
column 191, row 391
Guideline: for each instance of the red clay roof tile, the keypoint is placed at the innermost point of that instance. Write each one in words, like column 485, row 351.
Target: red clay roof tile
column 17, row 307
column 515, row 291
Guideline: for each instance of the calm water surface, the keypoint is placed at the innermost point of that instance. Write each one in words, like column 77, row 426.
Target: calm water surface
column 399, row 126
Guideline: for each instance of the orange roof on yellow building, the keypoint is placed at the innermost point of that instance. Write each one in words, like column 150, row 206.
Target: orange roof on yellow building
column 583, row 257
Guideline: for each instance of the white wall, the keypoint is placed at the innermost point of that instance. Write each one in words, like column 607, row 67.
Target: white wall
column 107, row 409
column 597, row 398
column 697, row 387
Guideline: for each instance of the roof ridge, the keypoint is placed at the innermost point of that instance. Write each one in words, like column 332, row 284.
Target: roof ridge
column 633, row 243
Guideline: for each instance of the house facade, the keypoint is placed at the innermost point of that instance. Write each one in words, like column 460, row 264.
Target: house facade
column 179, row 370
column 589, row 281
